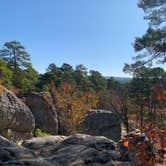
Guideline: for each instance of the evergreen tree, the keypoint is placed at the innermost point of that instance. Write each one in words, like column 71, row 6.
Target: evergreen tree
column 152, row 45
column 15, row 55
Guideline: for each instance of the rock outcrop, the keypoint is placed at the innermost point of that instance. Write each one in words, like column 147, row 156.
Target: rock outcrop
column 103, row 123
column 41, row 105
column 77, row 150
column 16, row 120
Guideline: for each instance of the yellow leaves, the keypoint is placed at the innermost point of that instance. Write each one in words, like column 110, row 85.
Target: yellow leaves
column 73, row 105
column 67, row 87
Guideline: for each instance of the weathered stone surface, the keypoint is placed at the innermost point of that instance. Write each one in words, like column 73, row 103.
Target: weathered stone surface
column 5, row 142
column 103, row 123
column 41, row 105
column 16, row 120
column 77, row 150
column 39, row 144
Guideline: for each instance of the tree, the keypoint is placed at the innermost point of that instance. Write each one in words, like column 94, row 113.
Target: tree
column 152, row 45
column 155, row 10
column 29, row 80
column 67, row 74
column 99, row 83
column 54, row 74
column 15, row 55
column 24, row 76
column 113, row 84
column 142, row 89
column 117, row 99
column 81, row 78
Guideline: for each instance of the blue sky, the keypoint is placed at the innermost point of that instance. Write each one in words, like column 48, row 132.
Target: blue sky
column 96, row 33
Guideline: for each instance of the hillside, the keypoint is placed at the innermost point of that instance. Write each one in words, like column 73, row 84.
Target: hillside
column 122, row 80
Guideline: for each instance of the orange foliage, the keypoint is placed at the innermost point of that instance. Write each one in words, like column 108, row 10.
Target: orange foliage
column 126, row 143
column 14, row 90
column 159, row 95
column 157, row 137
column 11, row 88
column 1, row 89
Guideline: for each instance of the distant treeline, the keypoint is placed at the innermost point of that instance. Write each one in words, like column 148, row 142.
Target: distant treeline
column 16, row 71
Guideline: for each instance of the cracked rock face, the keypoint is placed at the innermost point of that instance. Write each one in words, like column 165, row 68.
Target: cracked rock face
column 76, row 150
column 16, row 120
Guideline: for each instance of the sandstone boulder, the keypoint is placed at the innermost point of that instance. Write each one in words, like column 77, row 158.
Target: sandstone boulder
column 103, row 123
column 41, row 105
column 16, row 120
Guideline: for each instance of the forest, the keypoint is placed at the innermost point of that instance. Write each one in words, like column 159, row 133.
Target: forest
column 140, row 103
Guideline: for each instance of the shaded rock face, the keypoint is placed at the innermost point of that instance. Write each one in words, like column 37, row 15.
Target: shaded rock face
column 77, row 150
column 41, row 105
column 16, row 120
column 5, row 142
column 103, row 123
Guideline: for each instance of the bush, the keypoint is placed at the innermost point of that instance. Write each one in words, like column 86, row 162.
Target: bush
column 40, row 133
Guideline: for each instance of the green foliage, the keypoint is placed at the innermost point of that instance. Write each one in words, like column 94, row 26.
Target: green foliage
column 142, row 89
column 155, row 10
column 15, row 55
column 16, row 69
column 152, row 45
column 113, row 84
column 5, row 74
column 40, row 133
column 78, row 77
column 98, row 81
column 29, row 80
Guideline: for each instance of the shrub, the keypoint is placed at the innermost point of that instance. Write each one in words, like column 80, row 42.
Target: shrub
column 40, row 133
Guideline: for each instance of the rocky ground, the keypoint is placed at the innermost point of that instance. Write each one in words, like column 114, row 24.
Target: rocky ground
column 77, row 150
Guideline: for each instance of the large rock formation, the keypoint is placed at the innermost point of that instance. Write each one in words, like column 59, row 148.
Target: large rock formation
column 103, row 123
column 77, row 150
column 16, row 120
column 41, row 105
column 14, row 155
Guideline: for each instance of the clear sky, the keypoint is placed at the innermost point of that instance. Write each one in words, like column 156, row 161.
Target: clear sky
column 96, row 33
